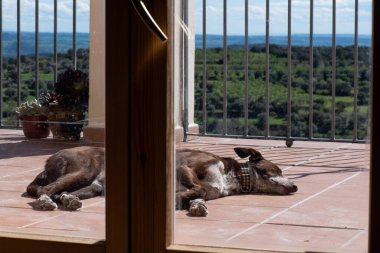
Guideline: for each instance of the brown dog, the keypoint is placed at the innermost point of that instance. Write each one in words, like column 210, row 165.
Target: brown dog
column 69, row 176
column 204, row 176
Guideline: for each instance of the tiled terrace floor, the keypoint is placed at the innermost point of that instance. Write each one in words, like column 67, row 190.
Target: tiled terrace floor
column 20, row 161
column 329, row 213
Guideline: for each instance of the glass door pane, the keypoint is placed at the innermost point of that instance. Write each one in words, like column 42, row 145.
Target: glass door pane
column 53, row 67
column 261, row 82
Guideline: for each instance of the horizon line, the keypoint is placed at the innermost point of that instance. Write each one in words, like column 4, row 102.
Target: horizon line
column 278, row 34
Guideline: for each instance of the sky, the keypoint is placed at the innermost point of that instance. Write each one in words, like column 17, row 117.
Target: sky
column 278, row 16
column 235, row 16
column 46, row 14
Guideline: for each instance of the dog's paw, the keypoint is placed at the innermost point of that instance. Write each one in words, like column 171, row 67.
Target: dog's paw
column 70, row 202
column 45, row 203
column 198, row 207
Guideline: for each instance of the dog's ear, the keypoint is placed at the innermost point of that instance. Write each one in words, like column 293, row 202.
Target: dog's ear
column 242, row 152
column 245, row 152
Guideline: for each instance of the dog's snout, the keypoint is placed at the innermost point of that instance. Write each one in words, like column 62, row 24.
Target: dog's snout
column 295, row 188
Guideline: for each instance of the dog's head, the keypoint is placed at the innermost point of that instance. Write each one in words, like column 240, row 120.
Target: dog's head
column 267, row 175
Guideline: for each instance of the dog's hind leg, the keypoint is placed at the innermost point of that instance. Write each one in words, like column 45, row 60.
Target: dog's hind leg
column 71, row 200
column 55, row 190
column 93, row 190
column 35, row 189
column 194, row 193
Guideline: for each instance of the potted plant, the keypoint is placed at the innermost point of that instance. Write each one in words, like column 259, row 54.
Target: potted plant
column 34, row 119
column 67, row 105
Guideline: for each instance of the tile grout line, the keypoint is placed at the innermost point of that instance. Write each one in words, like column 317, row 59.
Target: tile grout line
column 293, row 206
column 43, row 220
column 56, row 216
column 353, row 238
column 315, row 157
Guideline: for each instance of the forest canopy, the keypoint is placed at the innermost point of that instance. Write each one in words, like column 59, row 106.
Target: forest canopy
column 322, row 81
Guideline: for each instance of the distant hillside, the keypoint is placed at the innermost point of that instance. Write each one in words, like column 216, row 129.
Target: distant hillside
column 46, row 41
column 323, row 40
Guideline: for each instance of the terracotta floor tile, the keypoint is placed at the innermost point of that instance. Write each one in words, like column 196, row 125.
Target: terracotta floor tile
column 20, row 161
column 19, row 217
column 29, row 162
column 258, row 200
column 205, row 232
column 6, row 171
column 22, row 176
column 331, row 212
column 94, row 205
column 357, row 244
column 6, row 195
column 233, row 213
column 292, row 238
column 90, row 236
column 306, row 220
column 77, row 222
column 328, row 213
column 17, row 201
column 319, row 174
column 16, row 186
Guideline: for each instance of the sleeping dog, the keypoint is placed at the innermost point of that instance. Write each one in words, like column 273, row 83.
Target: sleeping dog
column 69, row 176
column 204, row 176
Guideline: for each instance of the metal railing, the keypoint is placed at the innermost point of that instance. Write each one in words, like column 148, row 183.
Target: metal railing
column 36, row 53
column 245, row 133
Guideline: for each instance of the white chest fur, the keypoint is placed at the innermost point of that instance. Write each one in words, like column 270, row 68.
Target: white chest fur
column 218, row 184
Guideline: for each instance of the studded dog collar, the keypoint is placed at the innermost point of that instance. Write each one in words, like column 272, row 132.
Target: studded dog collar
column 246, row 177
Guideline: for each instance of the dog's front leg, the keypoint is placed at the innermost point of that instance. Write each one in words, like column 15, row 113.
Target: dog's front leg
column 198, row 207
column 70, row 202
column 45, row 203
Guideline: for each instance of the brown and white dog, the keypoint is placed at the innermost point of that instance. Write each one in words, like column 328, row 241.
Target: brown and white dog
column 69, row 176
column 204, row 176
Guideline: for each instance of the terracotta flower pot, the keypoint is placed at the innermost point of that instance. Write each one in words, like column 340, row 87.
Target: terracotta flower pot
column 34, row 127
column 65, row 124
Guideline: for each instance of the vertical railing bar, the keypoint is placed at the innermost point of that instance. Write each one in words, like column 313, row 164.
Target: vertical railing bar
column 356, row 72
column 1, row 63
column 186, row 68
column 18, row 60
column 55, row 56
column 204, row 68
column 267, row 70
column 36, row 52
column 75, row 34
column 289, row 110
column 225, row 67
column 311, row 71
column 246, row 70
column 333, row 86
